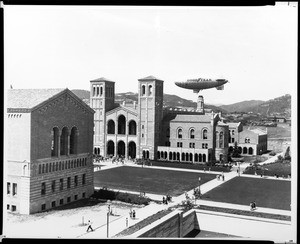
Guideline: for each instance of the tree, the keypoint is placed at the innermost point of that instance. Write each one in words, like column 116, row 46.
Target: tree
column 235, row 151
column 287, row 155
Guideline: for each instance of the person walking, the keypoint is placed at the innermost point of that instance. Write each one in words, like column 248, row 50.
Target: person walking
column 133, row 214
column 89, row 226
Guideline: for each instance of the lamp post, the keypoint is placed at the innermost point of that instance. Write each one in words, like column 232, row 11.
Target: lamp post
column 199, row 187
column 108, row 213
column 239, row 168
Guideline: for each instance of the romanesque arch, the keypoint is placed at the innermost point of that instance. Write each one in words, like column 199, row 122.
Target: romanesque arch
column 54, row 142
column 132, row 127
column 110, row 148
column 121, row 148
column 122, row 125
column 111, row 127
column 64, row 141
column 74, row 140
column 132, row 149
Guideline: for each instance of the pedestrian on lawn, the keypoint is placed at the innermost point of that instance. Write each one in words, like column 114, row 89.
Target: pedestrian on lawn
column 89, row 226
column 163, row 200
column 133, row 214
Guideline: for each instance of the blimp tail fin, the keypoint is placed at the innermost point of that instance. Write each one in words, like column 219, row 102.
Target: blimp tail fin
column 220, row 87
column 196, row 91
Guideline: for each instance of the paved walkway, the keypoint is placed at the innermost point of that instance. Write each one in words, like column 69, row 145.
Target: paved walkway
column 124, row 222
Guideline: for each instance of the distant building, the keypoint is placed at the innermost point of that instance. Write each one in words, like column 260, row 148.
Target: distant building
column 148, row 130
column 49, row 135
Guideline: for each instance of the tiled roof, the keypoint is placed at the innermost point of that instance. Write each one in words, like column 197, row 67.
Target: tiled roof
column 233, row 124
column 102, row 79
column 29, row 98
column 222, row 123
column 192, row 118
column 150, row 77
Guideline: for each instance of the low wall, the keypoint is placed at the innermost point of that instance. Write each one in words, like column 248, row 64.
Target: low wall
column 173, row 225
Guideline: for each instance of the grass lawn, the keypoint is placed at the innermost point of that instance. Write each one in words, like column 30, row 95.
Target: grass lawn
column 190, row 166
column 149, row 180
column 281, row 169
column 266, row 193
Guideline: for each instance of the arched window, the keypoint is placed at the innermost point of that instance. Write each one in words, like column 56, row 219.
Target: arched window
column 186, row 156
column 158, row 155
column 54, row 142
column 179, row 133
column 200, row 157
column 165, row 155
column 170, row 156
column 250, row 150
column 150, row 90
column 64, row 141
column 204, row 134
column 73, row 140
column 178, row 156
column 101, row 90
column 132, row 127
column 143, row 90
column 94, row 91
column 111, row 127
column 245, row 150
column 122, row 125
column 196, row 157
column 192, row 134
column 174, row 155
column 97, row 93
column 191, row 157
column 204, row 158
column 147, row 154
column 183, row 156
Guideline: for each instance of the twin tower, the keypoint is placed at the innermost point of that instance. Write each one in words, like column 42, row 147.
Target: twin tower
column 127, row 130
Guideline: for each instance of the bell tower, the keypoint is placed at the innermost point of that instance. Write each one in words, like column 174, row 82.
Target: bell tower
column 102, row 99
column 150, row 108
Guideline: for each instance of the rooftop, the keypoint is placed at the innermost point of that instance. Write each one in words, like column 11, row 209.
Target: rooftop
column 29, row 98
column 102, row 79
column 192, row 118
column 150, row 77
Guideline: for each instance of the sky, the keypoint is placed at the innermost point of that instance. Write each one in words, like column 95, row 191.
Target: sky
column 255, row 48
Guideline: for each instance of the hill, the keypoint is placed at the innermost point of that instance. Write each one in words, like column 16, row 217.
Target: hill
column 277, row 106
column 169, row 100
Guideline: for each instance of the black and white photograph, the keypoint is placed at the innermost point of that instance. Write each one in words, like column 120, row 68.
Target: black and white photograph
column 150, row 122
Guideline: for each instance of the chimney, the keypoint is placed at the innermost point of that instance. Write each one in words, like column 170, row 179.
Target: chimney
column 200, row 104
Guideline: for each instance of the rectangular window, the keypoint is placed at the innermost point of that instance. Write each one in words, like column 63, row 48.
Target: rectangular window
column 83, row 195
column 69, row 199
column 13, row 208
column 8, row 187
column 232, row 132
column 14, row 189
column 232, row 139
column 53, row 186
column 61, row 201
column 83, row 179
column 43, row 188
column 69, row 182
column 76, row 180
column 61, row 184
column 7, row 206
column 43, row 207
column 53, row 204
column 75, row 197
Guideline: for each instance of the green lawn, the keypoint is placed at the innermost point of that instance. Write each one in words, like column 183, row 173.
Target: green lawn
column 149, row 180
column 281, row 169
column 266, row 193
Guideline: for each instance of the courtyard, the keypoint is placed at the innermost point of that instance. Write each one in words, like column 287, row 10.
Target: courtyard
column 149, row 180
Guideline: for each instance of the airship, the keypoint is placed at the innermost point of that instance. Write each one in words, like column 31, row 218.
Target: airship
column 200, row 84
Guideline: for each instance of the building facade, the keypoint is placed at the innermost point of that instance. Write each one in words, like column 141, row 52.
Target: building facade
column 49, row 135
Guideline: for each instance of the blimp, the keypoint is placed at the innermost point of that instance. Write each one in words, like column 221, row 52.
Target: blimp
column 200, row 84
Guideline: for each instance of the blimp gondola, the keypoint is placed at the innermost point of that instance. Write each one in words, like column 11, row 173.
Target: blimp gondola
column 200, row 84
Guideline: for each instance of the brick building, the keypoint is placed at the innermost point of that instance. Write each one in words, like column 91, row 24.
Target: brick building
column 49, row 146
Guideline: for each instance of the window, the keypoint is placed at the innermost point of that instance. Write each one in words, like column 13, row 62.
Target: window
column 232, row 140
column 63, row 165
column 53, row 186
column 75, row 197
column 192, row 134
column 76, row 180
column 61, row 201
column 8, row 187
column 61, row 184
column 204, row 134
column 204, row 145
column 53, row 204
column 232, row 132
column 150, row 90
column 69, row 199
column 46, row 168
column 14, row 189
column 179, row 133
column 59, row 166
column 179, row 144
column 83, row 179
column 143, row 90
column 43, row 188
column 43, row 207
column 192, row 145
column 83, row 195
column 43, row 168
column 221, row 139
column 7, row 206
column 69, row 182
column 40, row 169
column 13, row 208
